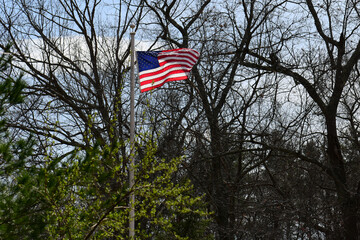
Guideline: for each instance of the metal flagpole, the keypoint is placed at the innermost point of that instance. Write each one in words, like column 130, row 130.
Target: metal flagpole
column 132, row 138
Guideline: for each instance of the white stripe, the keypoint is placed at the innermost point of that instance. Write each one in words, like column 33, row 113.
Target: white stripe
column 181, row 63
column 162, row 74
column 179, row 60
column 162, row 81
column 179, row 55
column 164, row 66
column 183, row 51
column 184, row 55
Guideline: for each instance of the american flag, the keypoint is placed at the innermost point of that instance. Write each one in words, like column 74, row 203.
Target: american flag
column 159, row 67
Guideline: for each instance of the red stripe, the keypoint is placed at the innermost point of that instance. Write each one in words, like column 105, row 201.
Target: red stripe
column 162, row 70
column 175, row 50
column 180, row 56
column 159, row 78
column 180, row 50
column 177, row 60
column 159, row 85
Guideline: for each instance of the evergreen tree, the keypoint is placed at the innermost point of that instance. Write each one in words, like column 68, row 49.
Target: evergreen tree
column 18, row 202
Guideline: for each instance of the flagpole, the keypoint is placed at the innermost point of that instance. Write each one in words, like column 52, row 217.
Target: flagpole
column 132, row 137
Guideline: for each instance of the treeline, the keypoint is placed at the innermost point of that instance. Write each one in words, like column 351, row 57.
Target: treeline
column 261, row 142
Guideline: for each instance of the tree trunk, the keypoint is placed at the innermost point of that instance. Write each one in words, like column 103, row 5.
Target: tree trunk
column 350, row 218
column 220, row 194
column 347, row 202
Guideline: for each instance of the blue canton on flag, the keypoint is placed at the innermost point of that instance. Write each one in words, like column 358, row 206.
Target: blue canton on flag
column 148, row 60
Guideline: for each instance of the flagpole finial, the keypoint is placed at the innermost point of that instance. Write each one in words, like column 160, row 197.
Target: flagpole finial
column 132, row 28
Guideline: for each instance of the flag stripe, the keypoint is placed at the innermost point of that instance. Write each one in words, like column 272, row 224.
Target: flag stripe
column 184, row 63
column 188, row 51
column 161, row 69
column 163, row 76
column 188, row 56
column 158, row 77
column 165, row 66
column 173, row 77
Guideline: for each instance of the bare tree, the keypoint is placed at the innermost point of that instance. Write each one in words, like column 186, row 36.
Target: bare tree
column 284, row 67
column 318, row 48
column 74, row 55
column 224, row 98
